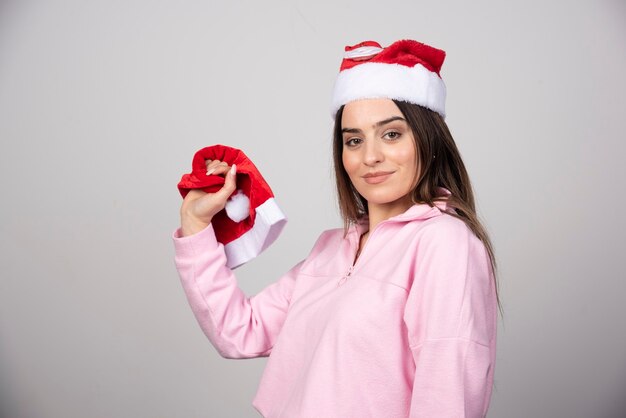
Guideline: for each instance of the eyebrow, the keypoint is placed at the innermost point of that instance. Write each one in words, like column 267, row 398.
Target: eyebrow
column 376, row 125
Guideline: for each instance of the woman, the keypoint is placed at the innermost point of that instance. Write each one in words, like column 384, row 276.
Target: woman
column 395, row 314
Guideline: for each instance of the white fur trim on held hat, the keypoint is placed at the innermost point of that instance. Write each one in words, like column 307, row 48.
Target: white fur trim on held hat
column 268, row 224
column 374, row 80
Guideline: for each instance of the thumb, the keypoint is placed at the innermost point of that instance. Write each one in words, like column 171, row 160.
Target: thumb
column 230, row 183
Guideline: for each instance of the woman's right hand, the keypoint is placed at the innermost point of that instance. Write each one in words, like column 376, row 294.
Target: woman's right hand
column 198, row 207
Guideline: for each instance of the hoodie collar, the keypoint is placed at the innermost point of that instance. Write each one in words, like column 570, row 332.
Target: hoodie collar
column 419, row 211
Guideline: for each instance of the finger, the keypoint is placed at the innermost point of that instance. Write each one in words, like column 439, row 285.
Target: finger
column 221, row 169
column 214, row 164
column 230, row 184
column 211, row 165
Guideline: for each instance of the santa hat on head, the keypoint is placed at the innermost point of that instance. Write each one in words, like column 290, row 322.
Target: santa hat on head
column 252, row 220
column 406, row 70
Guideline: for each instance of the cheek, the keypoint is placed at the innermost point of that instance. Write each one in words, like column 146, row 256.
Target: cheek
column 349, row 163
column 406, row 157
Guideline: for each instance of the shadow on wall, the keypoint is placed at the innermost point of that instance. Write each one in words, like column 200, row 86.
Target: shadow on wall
column 617, row 407
column 7, row 407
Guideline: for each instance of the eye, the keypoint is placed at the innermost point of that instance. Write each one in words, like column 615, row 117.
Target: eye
column 352, row 142
column 392, row 135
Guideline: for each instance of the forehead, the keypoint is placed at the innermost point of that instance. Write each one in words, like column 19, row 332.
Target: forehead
column 366, row 112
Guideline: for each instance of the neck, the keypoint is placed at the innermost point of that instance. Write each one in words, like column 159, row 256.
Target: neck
column 378, row 213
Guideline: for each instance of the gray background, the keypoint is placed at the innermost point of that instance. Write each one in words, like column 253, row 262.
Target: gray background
column 103, row 103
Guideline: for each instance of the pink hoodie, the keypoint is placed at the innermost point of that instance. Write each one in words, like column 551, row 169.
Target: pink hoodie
column 408, row 331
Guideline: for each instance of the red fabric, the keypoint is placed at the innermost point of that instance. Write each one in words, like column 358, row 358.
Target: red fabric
column 405, row 52
column 249, row 180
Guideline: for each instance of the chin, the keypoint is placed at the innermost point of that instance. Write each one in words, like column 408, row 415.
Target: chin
column 382, row 199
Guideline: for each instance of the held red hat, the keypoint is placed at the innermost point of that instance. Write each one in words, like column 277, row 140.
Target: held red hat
column 252, row 220
column 405, row 70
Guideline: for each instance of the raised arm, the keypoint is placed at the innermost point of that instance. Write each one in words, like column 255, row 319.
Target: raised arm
column 238, row 326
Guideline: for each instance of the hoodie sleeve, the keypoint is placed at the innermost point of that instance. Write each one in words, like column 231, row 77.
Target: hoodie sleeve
column 451, row 321
column 237, row 326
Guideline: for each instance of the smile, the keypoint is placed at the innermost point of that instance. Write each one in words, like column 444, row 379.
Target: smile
column 378, row 177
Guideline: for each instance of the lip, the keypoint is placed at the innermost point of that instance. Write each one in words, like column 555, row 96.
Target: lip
column 377, row 177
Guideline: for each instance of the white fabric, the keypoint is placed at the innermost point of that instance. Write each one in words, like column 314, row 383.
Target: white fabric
column 238, row 206
column 268, row 224
column 375, row 80
column 364, row 51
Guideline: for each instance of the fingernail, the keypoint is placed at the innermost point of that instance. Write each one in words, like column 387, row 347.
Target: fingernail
column 233, row 169
column 210, row 171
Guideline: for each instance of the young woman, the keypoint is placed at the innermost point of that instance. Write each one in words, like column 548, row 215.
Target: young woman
column 393, row 315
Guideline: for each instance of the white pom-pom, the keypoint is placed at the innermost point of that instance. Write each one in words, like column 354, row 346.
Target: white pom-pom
column 238, row 206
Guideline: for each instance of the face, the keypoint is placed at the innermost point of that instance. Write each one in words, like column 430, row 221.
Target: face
column 379, row 151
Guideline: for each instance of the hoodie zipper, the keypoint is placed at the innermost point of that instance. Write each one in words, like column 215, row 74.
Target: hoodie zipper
column 345, row 276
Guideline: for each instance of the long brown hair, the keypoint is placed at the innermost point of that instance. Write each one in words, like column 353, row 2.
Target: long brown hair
column 440, row 165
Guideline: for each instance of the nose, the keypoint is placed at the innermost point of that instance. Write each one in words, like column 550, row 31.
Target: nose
column 373, row 154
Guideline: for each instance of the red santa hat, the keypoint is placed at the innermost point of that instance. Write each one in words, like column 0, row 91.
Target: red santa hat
column 406, row 70
column 252, row 220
